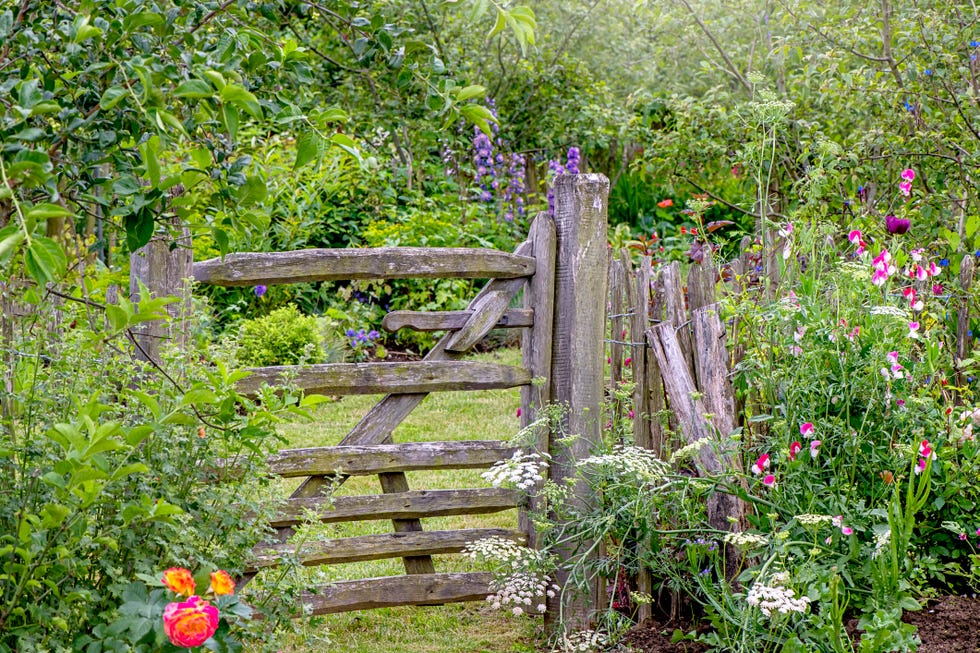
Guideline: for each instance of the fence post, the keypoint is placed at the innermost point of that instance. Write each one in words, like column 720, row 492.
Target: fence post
column 578, row 350
column 165, row 272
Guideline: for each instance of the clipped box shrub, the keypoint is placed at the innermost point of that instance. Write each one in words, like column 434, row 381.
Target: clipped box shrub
column 283, row 337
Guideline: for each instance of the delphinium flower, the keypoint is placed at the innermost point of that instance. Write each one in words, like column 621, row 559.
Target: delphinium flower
column 259, row 290
column 775, row 596
column 556, row 169
column 483, row 160
column 514, row 188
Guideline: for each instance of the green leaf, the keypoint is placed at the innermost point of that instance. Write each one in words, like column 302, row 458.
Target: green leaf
column 142, row 19
column 252, row 192
column 479, row 116
column 470, row 92
column 347, row 144
column 242, row 98
column 148, row 150
column 230, row 115
column 139, row 228
column 309, row 146
column 194, row 88
column 46, row 210
column 44, row 260
column 10, row 237
column 112, row 96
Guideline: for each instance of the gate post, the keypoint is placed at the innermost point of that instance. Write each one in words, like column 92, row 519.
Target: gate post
column 577, row 363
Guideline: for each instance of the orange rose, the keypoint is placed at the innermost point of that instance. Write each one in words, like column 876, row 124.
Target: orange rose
column 221, row 583
column 179, row 580
column 190, row 623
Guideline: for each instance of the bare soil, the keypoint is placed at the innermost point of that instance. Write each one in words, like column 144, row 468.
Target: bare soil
column 950, row 624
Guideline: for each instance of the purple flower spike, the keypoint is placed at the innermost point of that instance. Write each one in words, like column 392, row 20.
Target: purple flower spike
column 896, row 225
column 259, row 290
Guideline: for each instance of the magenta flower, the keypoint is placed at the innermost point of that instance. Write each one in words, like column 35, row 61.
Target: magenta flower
column 962, row 536
column 761, row 464
column 806, row 429
column 925, row 450
column 913, row 329
column 815, row 449
column 518, row 412
column 896, row 225
column 908, row 175
column 769, row 480
column 920, row 466
column 794, row 449
column 855, row 237
column 846, row 530
column 905, row 187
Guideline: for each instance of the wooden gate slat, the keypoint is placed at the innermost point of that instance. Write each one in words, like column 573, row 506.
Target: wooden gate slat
column 391, row 591
column 253, row 268
column 383, row 458
column 412, row 504
column 379, row 547
column 444, row 320
column 380, row 378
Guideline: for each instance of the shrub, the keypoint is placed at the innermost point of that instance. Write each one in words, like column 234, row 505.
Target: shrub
column 283, row 337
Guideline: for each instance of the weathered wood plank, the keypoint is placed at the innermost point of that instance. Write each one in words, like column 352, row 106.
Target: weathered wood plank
column 711, row 369
column 397, row 483
column 686, row 403
column 378, row 547
column 487, row 308
column 390, row 591
column 676, row 308
column 577, row 366
column 447, row 320
column 379, row 378
column 617, row 334
column 253, row 268
column 639, row 287
column 539, row 296
column 413, row 504
column 382, row 458
column 701, row 281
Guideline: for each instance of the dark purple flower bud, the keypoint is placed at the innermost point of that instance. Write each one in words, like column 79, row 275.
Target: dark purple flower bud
column 896, row 225
column 259, row 290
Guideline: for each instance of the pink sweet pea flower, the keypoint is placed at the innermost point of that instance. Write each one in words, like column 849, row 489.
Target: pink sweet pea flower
column 913, row 329
column 908, row 174
column 905, row 187
column 920, row 466
column 846, row 530
column 794, row 449
column 855, row 237
column 769, row 481
column 925, row 450
column 761, row 464
column 806, row 429
column 815, row 449
column 892, row 357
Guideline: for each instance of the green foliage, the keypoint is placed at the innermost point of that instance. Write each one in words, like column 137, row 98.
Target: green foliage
column 283, row 337
column 106, row 479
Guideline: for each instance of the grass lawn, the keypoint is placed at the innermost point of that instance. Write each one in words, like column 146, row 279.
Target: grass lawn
column 456, row 628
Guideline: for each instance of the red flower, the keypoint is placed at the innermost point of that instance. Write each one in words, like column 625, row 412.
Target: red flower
column 683, row 230
column 190, row 623
column 665, row 203
column 794, row 449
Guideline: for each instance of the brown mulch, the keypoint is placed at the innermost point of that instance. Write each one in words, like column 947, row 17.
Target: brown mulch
column 950, row 624
column 655, row 637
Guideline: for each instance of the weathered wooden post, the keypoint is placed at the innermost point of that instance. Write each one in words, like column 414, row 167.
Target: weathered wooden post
column 164, row 267
column 578, row 349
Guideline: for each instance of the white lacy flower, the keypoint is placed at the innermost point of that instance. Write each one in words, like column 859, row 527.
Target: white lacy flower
column 583, row 641
column 776, row 597
column 688, row 452
column 808, row 519
column 746, row 540
column 522, row 471
column 642, row 464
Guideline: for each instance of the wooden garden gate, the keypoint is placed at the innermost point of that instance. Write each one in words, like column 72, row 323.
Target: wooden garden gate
column 368, row 449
